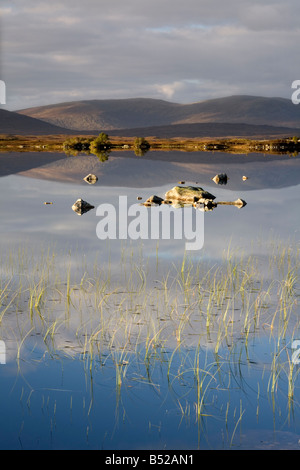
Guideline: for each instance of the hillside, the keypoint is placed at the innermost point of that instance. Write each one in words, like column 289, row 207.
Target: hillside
column 209, row 130
column 106, row 114
column 14, row 123
column 94, row 115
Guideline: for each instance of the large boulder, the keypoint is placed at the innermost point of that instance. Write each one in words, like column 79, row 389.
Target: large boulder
column 188, row 194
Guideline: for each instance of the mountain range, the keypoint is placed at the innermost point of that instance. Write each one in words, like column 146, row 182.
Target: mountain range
column 144, row 112
column 234, row 115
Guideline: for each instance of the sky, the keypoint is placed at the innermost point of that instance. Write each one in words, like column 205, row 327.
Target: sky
column 179, row 51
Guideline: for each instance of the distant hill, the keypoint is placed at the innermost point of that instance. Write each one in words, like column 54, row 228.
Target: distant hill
column 97, row 115
column 239, row 116
column 106, row 114
column 14, row 123
column 209, row 130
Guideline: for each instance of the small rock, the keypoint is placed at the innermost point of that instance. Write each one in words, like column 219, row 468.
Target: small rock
column 81, row 207
column 220, row 178
column 91, row 179
column 240, row 203
column 245, row 178
column 207, row 203
column 154, row 200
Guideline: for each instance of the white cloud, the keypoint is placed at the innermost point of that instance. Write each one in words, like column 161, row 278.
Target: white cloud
column 168, row 90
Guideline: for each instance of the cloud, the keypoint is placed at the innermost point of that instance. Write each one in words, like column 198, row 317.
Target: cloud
column 169, row 89
column 181, row 51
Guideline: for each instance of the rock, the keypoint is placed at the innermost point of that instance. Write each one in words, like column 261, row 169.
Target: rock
column 208, row 202
column 209, row 205
column 245, row 178
column 239, row 203
column 220, row 178
column 154, row 200
column 188, row 194
column 91, row 179
column 81, row 207
column 205, row 204
column 204, row 208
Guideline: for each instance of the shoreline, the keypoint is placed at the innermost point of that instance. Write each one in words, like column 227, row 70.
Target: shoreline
column 54, row 143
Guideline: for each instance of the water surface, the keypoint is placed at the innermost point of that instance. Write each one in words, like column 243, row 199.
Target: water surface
column 137, row 344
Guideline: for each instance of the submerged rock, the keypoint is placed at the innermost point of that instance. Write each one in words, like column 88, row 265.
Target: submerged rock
column 221, row 178
column 239, row 203
column 91, row 179
column 188, row 194
column 81, row 207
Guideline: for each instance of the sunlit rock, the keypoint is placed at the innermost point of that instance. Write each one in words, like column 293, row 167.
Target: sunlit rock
column 91, row 179
column 81, row 207
column 205, row 204
column 154, row 200
column 188, row 194
column 221, row 178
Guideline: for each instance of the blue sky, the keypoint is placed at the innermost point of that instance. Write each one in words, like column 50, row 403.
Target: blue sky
column 168, row 49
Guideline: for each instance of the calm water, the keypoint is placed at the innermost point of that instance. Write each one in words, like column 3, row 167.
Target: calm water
column 137, row 344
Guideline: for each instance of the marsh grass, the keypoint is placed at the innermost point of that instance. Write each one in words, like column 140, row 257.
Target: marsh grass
column 194, row 323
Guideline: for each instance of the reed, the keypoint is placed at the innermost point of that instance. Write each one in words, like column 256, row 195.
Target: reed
column 193, row 311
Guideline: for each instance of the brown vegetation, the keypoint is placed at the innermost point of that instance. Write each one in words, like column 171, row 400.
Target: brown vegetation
column 56, row 143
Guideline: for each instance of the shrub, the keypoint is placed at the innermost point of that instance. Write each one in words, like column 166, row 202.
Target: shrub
column 100, row 143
